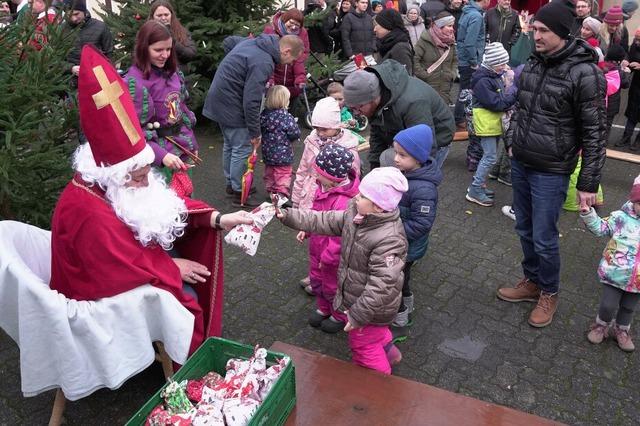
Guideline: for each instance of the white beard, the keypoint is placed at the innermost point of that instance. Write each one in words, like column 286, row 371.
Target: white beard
column 154, row 213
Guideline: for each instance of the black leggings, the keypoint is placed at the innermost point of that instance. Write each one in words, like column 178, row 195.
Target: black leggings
column 614, row 299
column 406, row 290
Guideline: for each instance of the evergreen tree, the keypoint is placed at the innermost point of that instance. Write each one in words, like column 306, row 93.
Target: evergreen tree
column 208, row 21
column 37, row 123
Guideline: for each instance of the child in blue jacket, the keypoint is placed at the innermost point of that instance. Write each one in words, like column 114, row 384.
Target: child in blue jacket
column 412, row 147
column 490, row 101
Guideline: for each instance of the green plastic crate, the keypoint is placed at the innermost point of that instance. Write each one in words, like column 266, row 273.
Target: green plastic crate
column 213, row 355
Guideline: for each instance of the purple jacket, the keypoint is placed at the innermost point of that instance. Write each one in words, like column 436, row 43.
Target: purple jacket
column 163, row 100
column 324, row 250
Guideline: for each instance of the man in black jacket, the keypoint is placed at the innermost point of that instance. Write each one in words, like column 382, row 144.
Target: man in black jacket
column 503, row 24
column 560, row 113
column 91, row 31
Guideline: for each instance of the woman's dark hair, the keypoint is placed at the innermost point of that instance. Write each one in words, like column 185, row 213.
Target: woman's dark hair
column 178, row 32
column 152, row 32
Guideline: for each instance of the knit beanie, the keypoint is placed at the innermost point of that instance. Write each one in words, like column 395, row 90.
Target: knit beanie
column 334, row 162
column 417, row 141
column 294, row 14
column 558, row 16
column 614, row 16
column 634, row 196
column 495, row 54
column 629, row 6
column 384, row 186
column 593, row 24
column 79, row 5
column 615, row 53
column 361, row 87
column 389, row 19
column 326, row 114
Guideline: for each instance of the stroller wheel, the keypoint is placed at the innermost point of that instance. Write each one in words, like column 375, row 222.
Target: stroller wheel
column 362, row 122
column 307, row 120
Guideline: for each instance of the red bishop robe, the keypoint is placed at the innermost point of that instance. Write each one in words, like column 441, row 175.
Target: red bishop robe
column 95, row 255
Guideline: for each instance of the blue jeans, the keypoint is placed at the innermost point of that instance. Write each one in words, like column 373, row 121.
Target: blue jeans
column 488, row 160
column 236, row 150
column 537, row 200
column 441, row 155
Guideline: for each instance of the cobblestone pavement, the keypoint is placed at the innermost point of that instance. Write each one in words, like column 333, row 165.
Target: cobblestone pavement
column 463, row 339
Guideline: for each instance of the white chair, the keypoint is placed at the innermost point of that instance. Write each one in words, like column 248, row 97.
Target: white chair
column 75, row 346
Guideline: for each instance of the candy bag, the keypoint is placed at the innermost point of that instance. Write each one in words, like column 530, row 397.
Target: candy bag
column 247, row 237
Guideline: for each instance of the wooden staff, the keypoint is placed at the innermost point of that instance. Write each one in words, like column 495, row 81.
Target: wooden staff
column 197, row 160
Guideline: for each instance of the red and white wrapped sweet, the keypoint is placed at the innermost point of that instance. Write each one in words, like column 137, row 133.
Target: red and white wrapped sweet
column 231, row 400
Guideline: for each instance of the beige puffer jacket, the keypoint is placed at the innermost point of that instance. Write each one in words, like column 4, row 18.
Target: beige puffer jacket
column 371, row 260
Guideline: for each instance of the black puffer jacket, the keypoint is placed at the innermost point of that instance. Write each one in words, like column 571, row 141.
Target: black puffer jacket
column 560, row 112
column 357, row 34
column 93, row 32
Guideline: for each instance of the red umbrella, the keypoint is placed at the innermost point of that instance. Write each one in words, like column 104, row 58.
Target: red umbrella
column 247, row 177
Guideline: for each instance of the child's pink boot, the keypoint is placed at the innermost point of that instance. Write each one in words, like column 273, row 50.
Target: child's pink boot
column 599, row 331
column 621, row 334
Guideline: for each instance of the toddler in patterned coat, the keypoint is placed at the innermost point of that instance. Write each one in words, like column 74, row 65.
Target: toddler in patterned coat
column 279, row 131
column 618, row 270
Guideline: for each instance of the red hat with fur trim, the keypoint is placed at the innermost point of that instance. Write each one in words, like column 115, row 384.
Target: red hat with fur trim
column 107, row 114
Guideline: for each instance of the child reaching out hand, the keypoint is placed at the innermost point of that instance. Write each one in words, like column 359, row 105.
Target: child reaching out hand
column 372, row 257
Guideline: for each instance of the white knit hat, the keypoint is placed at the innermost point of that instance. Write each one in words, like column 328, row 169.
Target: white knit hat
column 593, row 24
column 495, row 54
column 326, row 114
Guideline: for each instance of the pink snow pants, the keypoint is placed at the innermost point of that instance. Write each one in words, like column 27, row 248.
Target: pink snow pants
column 277, row 179
column 368, row 347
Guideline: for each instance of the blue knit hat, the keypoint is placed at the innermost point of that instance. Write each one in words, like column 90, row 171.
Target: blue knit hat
column 334, row 162
column 417, row 141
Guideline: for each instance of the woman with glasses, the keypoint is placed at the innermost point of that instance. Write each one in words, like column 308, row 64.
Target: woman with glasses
column 293, row 76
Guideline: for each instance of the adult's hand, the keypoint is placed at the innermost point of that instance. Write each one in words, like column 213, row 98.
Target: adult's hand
column 229, row 220
column 192, row 272
column 586, row 200
column 75, row 70
column 255, row 142
column 173, row 162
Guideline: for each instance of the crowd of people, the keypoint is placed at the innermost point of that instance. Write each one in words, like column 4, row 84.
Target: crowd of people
column 534, row 126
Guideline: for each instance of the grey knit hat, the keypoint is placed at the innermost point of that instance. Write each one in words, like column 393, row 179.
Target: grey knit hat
column 495, row 54
column 361, row 87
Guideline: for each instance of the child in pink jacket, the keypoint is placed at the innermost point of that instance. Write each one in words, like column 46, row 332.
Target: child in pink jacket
column 338, row 185
column 327, row 130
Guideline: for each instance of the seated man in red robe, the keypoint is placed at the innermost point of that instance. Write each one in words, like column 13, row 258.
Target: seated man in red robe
column 116, row 220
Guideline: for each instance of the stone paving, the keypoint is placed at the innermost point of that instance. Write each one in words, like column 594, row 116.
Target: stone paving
column 463, row 338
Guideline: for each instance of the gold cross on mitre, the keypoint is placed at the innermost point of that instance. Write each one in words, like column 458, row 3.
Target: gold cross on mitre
column 110, row 96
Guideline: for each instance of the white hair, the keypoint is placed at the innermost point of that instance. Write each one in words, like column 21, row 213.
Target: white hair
column 154, row 213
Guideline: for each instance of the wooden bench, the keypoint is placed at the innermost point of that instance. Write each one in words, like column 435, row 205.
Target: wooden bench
column 331, row 391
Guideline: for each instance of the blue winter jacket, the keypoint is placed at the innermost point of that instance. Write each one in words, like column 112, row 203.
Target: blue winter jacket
column 418, row 207
column 279, row 130
column 490, row 100
column 238, row 85
column 471, row 35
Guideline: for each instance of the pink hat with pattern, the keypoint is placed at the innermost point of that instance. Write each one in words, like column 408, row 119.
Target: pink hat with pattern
column 384, row 186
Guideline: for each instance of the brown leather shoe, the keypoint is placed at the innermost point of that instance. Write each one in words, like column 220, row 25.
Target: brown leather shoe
column 525, row 291
column 542, row 314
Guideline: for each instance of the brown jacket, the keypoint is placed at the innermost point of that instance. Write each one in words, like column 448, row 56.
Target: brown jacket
column 371, row 260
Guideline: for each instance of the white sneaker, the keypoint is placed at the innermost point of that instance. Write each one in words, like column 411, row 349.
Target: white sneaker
column 508, row 212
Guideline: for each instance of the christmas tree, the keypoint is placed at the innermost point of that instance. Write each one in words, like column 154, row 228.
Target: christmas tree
column 37, row 121
column 208, row 21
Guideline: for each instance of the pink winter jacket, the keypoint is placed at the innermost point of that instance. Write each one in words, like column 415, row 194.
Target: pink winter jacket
column 304, row 187
column 324, row 250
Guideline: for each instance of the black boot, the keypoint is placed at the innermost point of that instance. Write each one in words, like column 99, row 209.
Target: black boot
column 626, row 137
column 635, row 145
